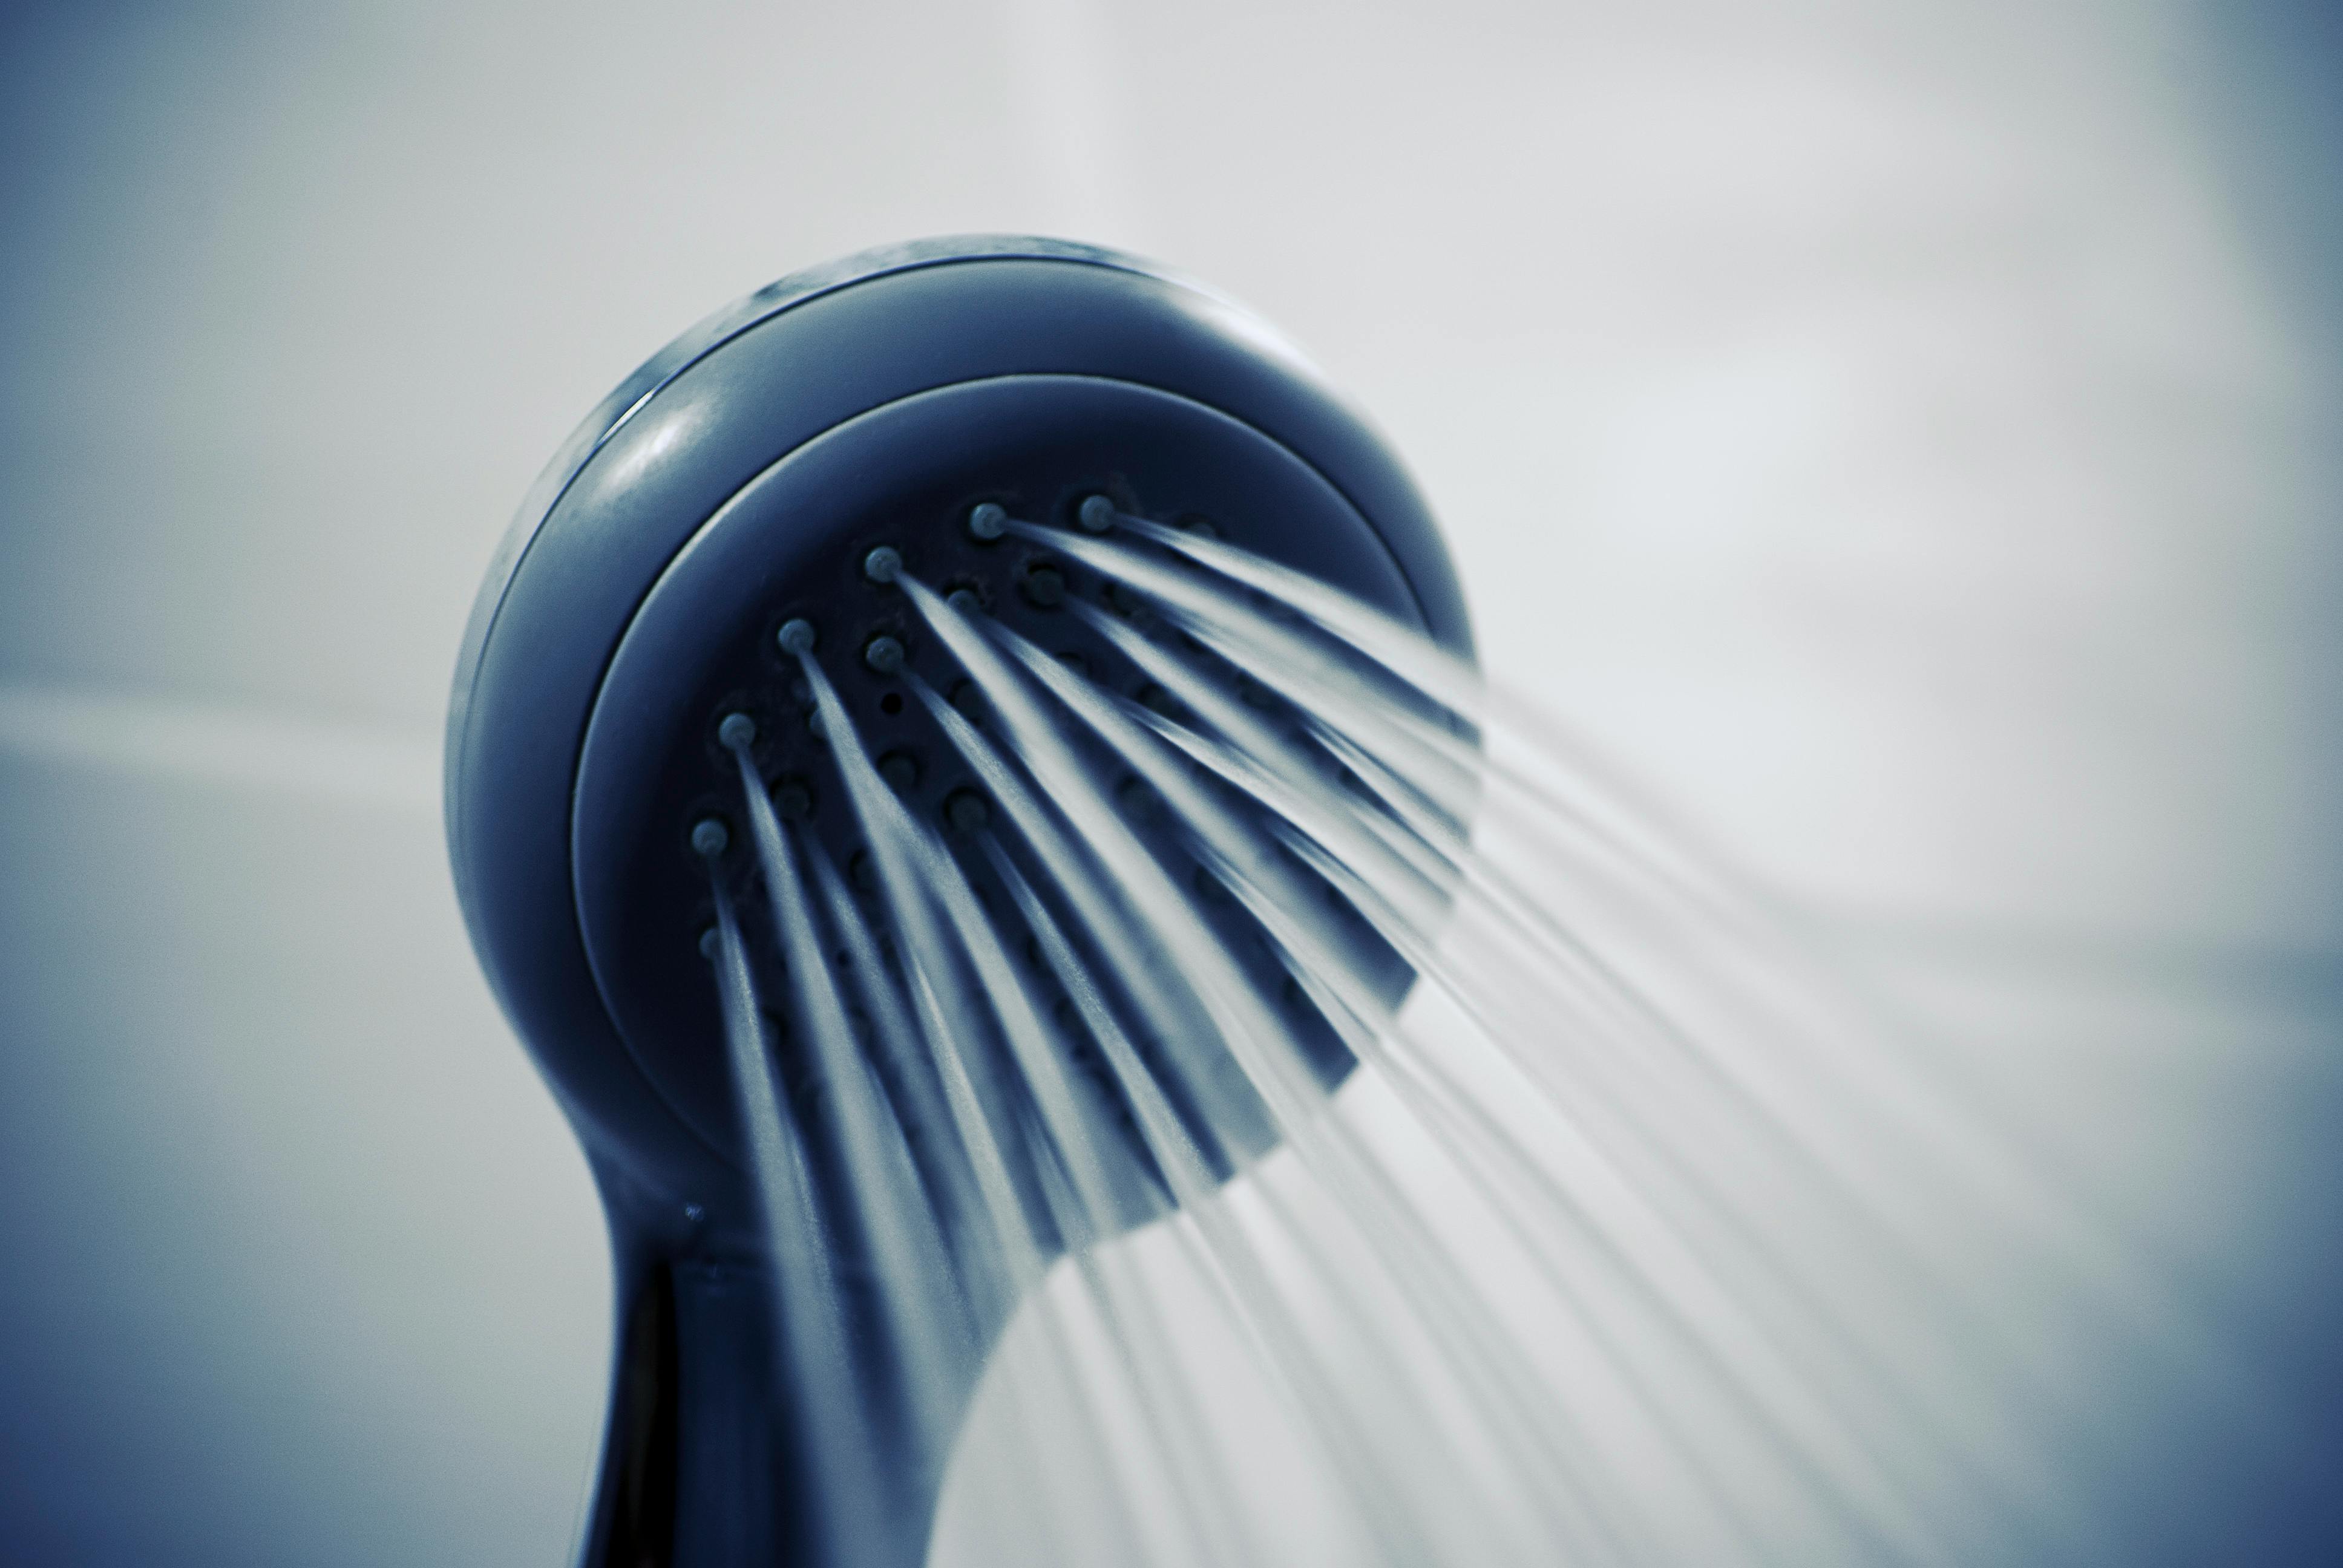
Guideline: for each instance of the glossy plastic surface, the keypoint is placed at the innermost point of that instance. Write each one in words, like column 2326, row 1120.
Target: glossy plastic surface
column 735, row 477
column 713, row 413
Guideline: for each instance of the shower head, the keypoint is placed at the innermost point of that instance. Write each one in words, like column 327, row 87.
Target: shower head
column 776, row 484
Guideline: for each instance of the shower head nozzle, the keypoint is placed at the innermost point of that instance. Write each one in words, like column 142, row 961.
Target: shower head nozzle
column 777, row 494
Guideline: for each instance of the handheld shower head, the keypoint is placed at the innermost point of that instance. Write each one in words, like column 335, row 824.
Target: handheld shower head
column 758, row 541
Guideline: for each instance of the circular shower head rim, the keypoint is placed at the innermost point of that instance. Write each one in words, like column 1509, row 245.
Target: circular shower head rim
column 708, row 335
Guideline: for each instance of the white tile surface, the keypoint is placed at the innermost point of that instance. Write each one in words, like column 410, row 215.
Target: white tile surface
column 303, row 1266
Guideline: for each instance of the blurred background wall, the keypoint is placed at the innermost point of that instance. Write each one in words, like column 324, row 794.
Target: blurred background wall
column 1904, row 435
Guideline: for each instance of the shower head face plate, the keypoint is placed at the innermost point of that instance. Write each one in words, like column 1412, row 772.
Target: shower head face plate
column 794, row 545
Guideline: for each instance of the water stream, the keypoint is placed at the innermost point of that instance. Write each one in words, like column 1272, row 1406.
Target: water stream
column 1631, row 1240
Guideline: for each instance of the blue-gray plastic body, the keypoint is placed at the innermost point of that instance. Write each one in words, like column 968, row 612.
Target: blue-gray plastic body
column 929, row 346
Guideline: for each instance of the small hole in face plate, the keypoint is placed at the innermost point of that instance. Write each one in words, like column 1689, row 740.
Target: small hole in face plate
column 891, row 703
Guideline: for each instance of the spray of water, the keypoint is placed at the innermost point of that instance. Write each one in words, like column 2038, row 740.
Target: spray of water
column 1629, row 1242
